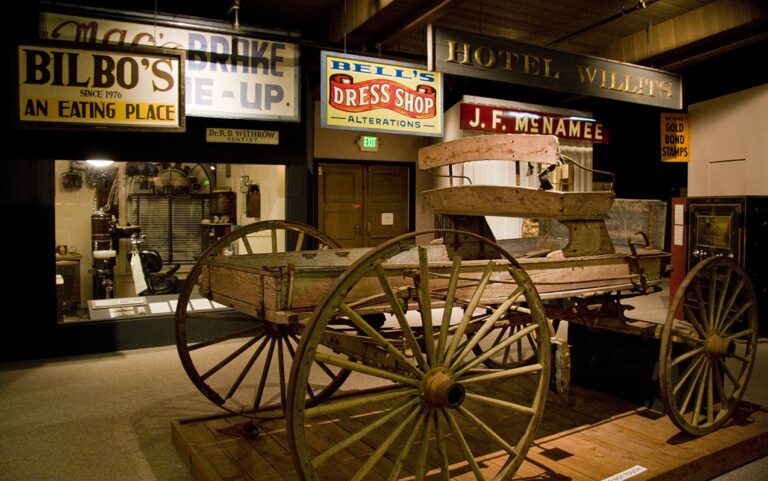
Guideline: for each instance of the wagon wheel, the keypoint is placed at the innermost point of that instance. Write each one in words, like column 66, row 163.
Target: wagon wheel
column 241, row 362
column 519, row 353
column 424, row 404
column 706, row 360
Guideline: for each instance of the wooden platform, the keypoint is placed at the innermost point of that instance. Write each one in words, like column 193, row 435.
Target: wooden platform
column 584, row 435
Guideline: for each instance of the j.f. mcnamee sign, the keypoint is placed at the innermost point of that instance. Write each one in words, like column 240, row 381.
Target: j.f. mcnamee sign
column 472, row 55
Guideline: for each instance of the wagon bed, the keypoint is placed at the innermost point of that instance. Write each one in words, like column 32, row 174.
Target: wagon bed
column 286, row 288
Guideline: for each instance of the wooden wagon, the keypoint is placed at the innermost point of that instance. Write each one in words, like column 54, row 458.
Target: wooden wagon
column 395, row 353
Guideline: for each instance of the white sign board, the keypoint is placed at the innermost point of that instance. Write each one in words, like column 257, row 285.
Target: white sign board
column 227, row 76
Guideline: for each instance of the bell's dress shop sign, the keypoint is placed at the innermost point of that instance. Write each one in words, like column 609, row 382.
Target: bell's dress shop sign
column 126, row 89
column 227, row 76
column 361, row 93
column 471, row 55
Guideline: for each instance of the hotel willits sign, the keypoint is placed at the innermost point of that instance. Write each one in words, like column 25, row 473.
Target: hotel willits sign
column 472, row 55
column 361, row 93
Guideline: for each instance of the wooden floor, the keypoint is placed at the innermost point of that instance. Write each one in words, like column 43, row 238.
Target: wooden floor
column 584, row 435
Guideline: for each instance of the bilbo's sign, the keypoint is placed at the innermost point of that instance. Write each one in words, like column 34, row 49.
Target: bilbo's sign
column 368, row 94
column 513, row 121
column 472, row 55
column 134, row 89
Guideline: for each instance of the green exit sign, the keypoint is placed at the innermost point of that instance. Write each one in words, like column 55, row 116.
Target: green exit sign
column 368, row 143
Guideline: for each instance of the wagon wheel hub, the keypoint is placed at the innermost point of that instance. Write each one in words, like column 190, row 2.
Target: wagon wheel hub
column 440, row 390
column 719, row 346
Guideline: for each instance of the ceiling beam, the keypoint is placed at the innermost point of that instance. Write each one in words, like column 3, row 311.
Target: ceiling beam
column 692, row 27
column 354, row 13
column 430, row 13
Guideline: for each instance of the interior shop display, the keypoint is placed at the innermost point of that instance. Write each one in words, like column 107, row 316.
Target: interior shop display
column 428, row 323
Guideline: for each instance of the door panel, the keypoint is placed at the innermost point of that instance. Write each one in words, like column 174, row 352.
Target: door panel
column 340, row 203
column 363, row 205
column 386, row 207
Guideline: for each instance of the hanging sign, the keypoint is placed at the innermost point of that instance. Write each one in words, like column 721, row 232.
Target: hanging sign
column 134, row 89
column 362, row 93
column 513, row 121
column 675, row 137
column 241, row 136
column 227, row 76
column 472, row 55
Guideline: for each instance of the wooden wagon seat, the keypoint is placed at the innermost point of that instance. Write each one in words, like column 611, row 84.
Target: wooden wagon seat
column 512, row 201
column 518, row 202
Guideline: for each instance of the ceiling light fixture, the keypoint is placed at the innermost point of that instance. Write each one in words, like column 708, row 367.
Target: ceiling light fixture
column 235, row 21
column 99, row 162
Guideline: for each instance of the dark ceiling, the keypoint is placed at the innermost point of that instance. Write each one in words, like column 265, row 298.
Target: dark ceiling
column 684, row 36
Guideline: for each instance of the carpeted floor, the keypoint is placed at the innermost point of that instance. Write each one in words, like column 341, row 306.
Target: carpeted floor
column 107, row 417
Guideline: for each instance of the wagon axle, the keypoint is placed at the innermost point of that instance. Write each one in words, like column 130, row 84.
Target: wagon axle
column 440, row 390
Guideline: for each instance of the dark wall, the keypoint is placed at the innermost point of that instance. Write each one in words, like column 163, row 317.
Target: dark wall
column 27, row 205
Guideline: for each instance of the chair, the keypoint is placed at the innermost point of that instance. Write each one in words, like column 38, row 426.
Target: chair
column 158, row 281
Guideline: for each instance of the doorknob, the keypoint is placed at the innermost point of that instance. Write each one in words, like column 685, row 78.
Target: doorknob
column 358, row 229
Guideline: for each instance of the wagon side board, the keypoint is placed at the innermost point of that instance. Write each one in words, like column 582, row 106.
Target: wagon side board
column 274, row 293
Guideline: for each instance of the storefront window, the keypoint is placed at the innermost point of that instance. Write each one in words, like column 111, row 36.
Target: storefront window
column 163, row 215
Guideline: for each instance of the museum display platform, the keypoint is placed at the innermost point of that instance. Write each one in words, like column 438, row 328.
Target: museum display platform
column 584, row 435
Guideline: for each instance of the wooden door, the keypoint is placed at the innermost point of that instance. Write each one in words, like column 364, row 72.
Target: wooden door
column 386, row 203
column 340, row 203
column 363, row 205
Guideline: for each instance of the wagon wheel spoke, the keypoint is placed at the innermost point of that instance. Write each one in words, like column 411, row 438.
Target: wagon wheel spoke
column 694, row 321
column 734, row 295
column 364, row 369
column 419, row 377
column 488, row 324
column 384, row 446
column 380, row 340
column 247, row 368
column 421, row 463
column 736, row 316
column 469, row 456
column 410, row 338
column 398, row 467
column 724, row 290
column 425, row 306
column 397, row 411
column 445, row 323
column 228, row 355
column 340, row 405
column 229, row 358
column 501, row 442
column 699, row 388
column 462, row 327
column 692, row 367
column 243, row 333
column 441, row 448
column 264, row 373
